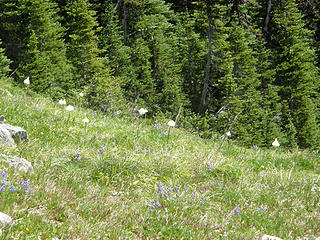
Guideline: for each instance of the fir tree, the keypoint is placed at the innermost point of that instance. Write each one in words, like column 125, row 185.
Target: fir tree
column 4, row 63
column 297, row 74
column 86, row 57
column 45, row 58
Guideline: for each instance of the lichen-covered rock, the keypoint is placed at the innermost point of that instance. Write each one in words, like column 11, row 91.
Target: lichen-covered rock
column 11, row 134
column 2, row 119
column 5, row 221
column 20, row 164
column 17, row 133
column 5, row 136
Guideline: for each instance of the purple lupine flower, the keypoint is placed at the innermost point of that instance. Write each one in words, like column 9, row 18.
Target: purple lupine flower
column 77, row 155
column 12, row 189
column 209, row 166
column 194, row 194
column 152, row 208
column 157, row 203
column 160, row 189
column 201, row 202
column 265, row 208
column 102, row 150
column 3, row 173
column 237, row 210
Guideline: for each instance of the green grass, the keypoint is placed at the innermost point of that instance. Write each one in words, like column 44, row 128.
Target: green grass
column 121, row 180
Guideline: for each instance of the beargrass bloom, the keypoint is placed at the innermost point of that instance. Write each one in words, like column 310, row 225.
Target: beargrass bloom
column 27, row 81
column 62, row 102
column 171, row 123
column 69, row 108
column 228, row 134
column 81, row 94
column 142, row 111
column 276, row 143
column 85, row 120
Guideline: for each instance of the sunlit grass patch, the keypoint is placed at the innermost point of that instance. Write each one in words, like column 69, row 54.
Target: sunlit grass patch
column 115, row 178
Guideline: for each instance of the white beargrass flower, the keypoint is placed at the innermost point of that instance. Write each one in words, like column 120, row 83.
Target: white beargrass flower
column 69, row 108
column 81, row 94
column 171, row 123
column 142, row 111
column 228, row 134
column 27, row 81
column 86, row 120
column 62, row 102
column 276, row 143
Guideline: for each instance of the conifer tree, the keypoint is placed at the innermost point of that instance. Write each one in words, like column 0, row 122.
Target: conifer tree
column 244, row 95
column 4, row 63
column 297, row 75
column 44, row 56
column 193, row 50
column 85, row 55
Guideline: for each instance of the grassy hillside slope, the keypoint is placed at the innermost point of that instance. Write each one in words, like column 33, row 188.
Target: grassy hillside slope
column 120, row 178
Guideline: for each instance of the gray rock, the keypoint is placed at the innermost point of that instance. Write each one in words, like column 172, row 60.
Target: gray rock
column 2, row 119
column 5, row 221
column 5, row 136
column 269, row 237
column 20, row 164
column 11, row 134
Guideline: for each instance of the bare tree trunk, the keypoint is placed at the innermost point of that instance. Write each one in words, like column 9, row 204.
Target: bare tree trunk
column 125, row 23
column 267, row 19
column 203, row 101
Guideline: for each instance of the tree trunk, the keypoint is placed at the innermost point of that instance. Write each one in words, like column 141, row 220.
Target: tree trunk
column 203, row 101
column 267, row 19
column 125, row 23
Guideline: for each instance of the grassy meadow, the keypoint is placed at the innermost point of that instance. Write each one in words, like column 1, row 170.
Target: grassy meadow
column 122, row 178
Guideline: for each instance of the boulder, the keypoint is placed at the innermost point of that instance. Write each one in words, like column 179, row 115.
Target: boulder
column 11, row 134
column 20, row 164
column 5, row 221
column 5, row 136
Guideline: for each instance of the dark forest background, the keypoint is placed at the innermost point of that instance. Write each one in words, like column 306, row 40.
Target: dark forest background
column 252, row 65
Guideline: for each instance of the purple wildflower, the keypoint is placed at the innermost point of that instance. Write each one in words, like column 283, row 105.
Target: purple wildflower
column 156, row 203
column 194, row 194
column 102, row 150
column 237, row 210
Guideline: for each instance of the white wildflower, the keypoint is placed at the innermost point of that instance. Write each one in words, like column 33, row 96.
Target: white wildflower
column 69, row 108
column 27, row 81
column 276, row 143
column 86, row 120
column 228, row 134
column 142, row 111
column 81, row 94
column 62, row 102
column 171, row 123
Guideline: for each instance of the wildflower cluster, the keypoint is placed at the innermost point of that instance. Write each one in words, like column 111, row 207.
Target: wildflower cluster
column 4, row 180
column 168, row 193
column 24, row 185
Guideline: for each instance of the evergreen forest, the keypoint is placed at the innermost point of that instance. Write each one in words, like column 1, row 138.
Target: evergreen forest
column 250, row 67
